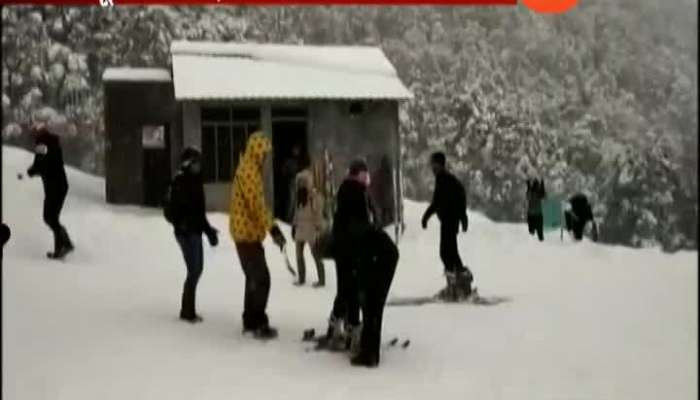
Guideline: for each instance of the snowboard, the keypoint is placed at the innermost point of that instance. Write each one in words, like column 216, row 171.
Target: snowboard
column 476, row 300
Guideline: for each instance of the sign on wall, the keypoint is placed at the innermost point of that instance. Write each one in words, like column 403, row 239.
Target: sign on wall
column 153, row 136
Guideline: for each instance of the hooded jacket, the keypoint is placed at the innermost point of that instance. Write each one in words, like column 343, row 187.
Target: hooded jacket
column 48, row 163
column 188, row 204
column 249, row 218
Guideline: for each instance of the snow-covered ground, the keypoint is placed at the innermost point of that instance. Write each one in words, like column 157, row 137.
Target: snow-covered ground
column 585, row 322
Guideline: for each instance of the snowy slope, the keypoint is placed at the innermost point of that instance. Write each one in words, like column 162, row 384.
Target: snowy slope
column 586, row 321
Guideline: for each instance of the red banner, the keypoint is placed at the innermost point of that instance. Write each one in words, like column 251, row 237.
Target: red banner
column 107, row 3
column 541, row 6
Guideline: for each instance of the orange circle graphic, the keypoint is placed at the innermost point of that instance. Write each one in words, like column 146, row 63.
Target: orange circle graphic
column 550, row 6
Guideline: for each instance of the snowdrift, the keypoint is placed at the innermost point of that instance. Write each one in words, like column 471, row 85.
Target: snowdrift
column 585, row 321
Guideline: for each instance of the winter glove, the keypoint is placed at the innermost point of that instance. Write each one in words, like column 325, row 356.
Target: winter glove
column 277, row 236
column 213, row 237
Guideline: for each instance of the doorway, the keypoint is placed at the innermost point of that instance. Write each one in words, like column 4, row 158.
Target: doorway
column 156, row 163
column 289, row 136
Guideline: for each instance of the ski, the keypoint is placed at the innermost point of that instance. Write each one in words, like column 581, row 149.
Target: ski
column 476, row 300
column 323, row 343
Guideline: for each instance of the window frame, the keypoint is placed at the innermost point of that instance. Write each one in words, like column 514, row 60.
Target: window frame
column 248, row 124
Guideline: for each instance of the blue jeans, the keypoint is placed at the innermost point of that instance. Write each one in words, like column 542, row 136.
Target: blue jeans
column 191, row 246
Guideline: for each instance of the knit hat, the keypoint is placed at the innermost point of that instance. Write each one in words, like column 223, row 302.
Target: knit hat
column 190, row 154
column 358, row 165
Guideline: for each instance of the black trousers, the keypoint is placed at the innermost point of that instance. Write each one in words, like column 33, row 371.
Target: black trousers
column 375, row 277
column 191, row 246
column 449, row 253
column 535, row 223
column 346, row 305
column 574, row 225
column 53, row 204
column 257, row 284
column 301, row 262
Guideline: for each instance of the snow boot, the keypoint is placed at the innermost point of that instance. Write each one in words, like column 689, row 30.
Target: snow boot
column 318, row 284
column 265, row 332
column 335, row 334
column 355, row 339
column 192, row 319
column 364, row 360
column 463, row 283
column 450, row 292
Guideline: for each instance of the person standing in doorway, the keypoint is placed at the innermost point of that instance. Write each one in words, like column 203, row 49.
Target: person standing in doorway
column 450, row 204
column 249, row 223
column 308, row 222
column 185, row 210
column 290, row 168
column 48, row 163
column 382, row 191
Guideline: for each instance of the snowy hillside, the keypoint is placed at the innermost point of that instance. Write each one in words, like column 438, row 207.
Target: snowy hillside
column 585, row 321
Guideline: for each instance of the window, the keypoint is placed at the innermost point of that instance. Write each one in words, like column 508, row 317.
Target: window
column 153, row 137
column 225, row 131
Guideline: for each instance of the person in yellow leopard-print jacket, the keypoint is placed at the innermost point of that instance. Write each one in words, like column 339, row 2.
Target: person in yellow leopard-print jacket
column 249, row 223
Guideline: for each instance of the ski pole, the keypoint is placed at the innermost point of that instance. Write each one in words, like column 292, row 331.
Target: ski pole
column 286, row 261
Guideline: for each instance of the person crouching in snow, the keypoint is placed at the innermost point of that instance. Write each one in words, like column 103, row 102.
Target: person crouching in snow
column 450, row 204
column 352, row 220
column 249, row 223
column 577, row 215
column 375, row 272
column 308, row 222
column 48, row 163
column 535, row 219
column 185, row 210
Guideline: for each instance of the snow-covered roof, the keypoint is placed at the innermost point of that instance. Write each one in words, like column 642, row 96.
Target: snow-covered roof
column 136, row 74
column 209, row 70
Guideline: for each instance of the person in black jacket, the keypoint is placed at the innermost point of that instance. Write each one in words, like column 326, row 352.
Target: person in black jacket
column 535, row 219
column 353, row 219
column 188, row 216
column 450, row 204
column 48, row 163
column 378, row 258
column 577, row 215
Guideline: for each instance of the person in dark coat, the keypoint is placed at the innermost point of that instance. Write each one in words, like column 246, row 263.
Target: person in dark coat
column 48, row 163
column 352, row 220
column 577, row 215
column 189, row 220
column 535, row 219
column 375, row 272
column 450, row 204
